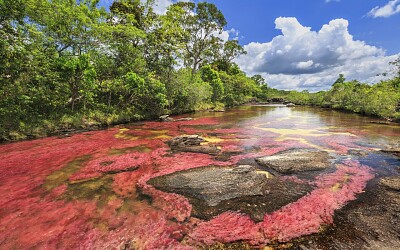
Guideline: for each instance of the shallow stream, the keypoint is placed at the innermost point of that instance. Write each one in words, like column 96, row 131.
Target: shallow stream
column 92, row 190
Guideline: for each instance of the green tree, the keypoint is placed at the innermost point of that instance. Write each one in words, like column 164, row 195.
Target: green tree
column 200, row 24
column 230, row 50
column 212, row 77
column 340, row 79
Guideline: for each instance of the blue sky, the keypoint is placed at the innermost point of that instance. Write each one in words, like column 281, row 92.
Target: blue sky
column 305, row 44
column 255, row 19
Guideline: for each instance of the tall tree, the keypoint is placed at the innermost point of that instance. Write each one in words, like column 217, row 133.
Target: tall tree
column 201, row 23
column 230, row 50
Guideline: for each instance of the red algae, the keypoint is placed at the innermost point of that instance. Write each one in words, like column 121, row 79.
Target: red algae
column 107, row 164
column 124, row 184
column 227, row 227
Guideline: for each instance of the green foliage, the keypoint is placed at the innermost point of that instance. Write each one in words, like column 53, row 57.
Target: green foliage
column 198, row 24
column 340, row 80
column 381, row 99
column 187, row 92
column 238, row 88
column 80, row 75
column 212, row 77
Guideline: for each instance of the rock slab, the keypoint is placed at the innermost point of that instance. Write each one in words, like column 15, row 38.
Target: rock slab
column 192, row 143
column 214, row 190
column 392, row 182
column 296, row 160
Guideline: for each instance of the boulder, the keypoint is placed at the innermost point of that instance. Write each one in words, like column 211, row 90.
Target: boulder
column 392, row 182
column 192, row 143
column 183, row 119
column 296, row 160
column 214, row 190
column 165, row 118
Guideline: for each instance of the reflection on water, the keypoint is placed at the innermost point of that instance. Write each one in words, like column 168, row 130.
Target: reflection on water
column 308, row 121
column 90, row 190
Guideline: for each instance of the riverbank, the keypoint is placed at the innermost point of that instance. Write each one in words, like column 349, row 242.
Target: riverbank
column 67, row 125
column 72, row 124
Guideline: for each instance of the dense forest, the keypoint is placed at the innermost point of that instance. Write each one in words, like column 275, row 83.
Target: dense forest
column 68, row 63
column 71, row 64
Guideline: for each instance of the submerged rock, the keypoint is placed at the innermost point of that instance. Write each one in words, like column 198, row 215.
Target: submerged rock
column 392, row 182
column 214, row 190
column 166, row 118
column 186, row 141
column 192, row 143
column 296, row 160
column 358, row 152
column 183, row 119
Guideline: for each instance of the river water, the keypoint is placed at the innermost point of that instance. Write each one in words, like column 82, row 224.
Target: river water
column 90, row 190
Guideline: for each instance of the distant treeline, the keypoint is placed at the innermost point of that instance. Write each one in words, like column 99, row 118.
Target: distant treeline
column 380, row 100
column 67, row 64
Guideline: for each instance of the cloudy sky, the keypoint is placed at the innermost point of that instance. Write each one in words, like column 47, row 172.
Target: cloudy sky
column 306, row 44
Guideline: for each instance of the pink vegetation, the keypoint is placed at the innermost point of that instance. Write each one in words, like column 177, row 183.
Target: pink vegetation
column 105, row 164
column 227, row 227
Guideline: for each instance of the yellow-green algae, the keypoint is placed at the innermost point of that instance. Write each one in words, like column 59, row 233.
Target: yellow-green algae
column 61, row 176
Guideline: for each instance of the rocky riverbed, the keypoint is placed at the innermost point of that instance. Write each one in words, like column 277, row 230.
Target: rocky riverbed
column 254, row 177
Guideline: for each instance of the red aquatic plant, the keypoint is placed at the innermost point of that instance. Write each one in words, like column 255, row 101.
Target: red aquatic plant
column 227, row 227
column 111, row 164
column 124, row 184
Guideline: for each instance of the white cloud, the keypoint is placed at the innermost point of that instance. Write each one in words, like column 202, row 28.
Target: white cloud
column 160, row 6
column 226, row 35
column 391, row 8
column 304, row 59
column 329, row 1
column 304, row 65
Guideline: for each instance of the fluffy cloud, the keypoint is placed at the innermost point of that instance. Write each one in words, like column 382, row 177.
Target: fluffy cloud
column 226, row 35
column 160, row 6
column 391, row 8
column 304, row 59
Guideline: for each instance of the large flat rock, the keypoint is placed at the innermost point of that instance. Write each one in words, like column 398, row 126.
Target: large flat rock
column 214, row 190
column 192, row 143
column 392, row 182
column 296, row 160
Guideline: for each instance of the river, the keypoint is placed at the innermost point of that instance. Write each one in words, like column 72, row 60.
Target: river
column 92, row 190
